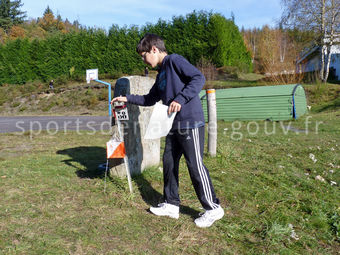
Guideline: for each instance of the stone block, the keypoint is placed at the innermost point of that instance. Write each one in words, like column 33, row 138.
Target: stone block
column 141, row 153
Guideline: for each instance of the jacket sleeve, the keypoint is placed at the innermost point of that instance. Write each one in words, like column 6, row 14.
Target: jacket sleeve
column 193, row 79
column 146, row 100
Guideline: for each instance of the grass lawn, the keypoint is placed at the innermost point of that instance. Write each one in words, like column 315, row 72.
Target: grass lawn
column 279, row 188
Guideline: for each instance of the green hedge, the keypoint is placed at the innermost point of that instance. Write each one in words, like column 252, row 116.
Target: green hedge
column 69, row 55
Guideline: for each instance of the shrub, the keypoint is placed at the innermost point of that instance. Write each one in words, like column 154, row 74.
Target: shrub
column 335, row 225
column 48, row 107
column 207, row 68
column 15, row 104
column 22, row 109
column 92, row 102
column 61, row 80
column 230, row 72
column 103, row 95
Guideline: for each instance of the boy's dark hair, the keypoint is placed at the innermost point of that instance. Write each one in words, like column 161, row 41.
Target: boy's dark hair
column 145, row 44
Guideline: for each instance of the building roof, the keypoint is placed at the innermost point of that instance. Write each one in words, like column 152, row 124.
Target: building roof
column 309, row 52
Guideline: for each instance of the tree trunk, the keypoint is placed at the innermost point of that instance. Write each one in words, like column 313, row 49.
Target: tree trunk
column 323, row 41
column 253, row 35
column 283, row 46
column 328, row 62
column 322, row 68
column 331, row 39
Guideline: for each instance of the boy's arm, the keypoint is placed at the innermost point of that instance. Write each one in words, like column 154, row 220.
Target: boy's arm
column 146, row 100
column 194, row 80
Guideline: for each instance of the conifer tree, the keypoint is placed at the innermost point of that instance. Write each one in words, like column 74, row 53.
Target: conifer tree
column 10, row 13
column 48, row 10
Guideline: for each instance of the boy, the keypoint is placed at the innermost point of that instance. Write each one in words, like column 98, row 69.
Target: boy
column 178, row 84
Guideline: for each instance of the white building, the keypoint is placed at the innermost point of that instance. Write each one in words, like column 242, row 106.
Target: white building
column 311, row 60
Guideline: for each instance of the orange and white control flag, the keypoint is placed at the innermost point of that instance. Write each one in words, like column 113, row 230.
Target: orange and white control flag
column 115, row 149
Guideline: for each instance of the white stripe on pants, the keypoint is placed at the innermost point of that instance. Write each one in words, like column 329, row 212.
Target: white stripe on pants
column 189, row 142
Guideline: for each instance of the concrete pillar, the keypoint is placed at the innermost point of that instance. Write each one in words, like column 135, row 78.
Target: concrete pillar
column 141, row 153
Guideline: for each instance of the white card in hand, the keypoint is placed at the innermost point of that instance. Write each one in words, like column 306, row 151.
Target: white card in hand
column 160, row 122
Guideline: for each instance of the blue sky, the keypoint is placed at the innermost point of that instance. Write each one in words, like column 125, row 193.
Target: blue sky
column 104, row 13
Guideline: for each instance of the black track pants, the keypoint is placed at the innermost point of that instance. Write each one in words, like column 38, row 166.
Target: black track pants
column 189, row 142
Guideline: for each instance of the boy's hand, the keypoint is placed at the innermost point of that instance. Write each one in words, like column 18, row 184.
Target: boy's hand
column 174, row 107
column 119, row 99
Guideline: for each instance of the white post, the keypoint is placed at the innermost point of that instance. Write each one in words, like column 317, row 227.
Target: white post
column 212, row 121
column 126, row 163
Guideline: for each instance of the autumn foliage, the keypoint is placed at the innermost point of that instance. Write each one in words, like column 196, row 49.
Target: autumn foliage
column 274, row 53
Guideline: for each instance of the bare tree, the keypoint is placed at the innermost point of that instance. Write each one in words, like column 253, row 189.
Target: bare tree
column 250, row 40
column 208, row 69
column 273, row 50
column 321, row 17
column 335, row 21
column 276, row 56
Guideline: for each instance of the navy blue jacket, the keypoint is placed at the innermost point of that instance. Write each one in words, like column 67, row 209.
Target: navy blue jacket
column 179, row 81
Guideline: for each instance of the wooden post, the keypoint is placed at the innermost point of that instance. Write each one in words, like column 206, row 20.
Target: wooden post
column 212, row 121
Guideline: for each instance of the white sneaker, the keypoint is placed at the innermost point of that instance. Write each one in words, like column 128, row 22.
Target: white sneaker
column 165, row 209
column 209, row 217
